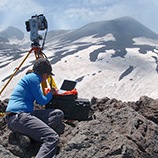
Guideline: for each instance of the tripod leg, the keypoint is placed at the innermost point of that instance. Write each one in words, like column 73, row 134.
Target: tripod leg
column 16, row 70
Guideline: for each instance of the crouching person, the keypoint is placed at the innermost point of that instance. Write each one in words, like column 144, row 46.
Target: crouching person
column 21, row 117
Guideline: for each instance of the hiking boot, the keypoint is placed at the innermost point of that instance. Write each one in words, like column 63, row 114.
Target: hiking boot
column 60, row 129
column 24, row 140
column 13, row 138
column 16, row 138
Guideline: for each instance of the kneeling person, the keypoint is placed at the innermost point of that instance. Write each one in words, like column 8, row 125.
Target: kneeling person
column 21, row 117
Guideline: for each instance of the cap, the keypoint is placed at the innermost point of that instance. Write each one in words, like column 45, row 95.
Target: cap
column 41, row 66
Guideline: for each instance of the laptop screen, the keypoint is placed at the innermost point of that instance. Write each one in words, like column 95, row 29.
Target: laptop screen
column 68, row 85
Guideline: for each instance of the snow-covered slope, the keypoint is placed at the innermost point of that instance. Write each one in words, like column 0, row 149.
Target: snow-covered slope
column 115, row 58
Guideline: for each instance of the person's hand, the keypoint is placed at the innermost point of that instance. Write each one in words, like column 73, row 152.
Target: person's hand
column 54, row 90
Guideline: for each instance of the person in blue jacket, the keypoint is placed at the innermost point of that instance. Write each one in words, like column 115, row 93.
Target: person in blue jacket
column 21, row 117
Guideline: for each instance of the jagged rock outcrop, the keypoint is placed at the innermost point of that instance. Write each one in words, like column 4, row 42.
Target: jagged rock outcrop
column 118, row 130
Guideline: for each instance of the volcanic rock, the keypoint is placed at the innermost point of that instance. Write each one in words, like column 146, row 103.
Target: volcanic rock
column 117, row 130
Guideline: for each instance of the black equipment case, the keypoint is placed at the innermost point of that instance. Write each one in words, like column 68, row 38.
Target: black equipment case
column 74, row 108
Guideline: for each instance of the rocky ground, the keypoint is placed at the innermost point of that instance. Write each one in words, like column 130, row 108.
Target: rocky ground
column 118, row 130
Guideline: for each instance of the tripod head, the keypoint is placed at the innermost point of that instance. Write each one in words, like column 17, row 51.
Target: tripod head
column 35, row 24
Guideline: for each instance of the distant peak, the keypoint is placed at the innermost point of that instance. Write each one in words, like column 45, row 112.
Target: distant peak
column 12, row 32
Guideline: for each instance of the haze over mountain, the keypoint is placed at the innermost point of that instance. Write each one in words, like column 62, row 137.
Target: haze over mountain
column 115, row 58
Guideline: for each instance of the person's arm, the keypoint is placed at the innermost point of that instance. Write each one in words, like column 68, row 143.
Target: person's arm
column 38, row 94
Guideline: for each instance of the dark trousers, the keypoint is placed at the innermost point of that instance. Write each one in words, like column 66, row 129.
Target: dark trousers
column 39, row 126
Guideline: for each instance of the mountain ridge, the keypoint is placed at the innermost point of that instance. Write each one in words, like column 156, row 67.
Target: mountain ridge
column 123, row 24
column 105, row 62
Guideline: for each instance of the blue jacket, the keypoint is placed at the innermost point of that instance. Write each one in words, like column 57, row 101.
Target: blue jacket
column 25, row 93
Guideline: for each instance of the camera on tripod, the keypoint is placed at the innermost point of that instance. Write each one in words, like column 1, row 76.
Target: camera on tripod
column 33, row 25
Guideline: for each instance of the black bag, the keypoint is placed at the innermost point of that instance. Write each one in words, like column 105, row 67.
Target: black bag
column 74, row 108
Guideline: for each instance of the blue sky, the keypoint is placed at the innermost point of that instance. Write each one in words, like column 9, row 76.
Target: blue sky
column 72, row 14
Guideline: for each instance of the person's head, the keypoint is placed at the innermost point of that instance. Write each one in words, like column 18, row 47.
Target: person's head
column 42, row 67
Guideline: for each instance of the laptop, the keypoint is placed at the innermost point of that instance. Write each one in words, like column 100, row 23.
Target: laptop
column 67, row 85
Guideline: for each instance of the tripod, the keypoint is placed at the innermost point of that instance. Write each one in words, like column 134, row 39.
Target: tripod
column 38, row 54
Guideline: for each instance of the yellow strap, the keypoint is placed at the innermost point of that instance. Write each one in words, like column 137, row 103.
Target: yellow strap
column 50, row 80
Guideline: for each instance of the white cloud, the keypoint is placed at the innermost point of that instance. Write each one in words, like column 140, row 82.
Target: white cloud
column 74, row 14
column 16, row 12
column 20, row 6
